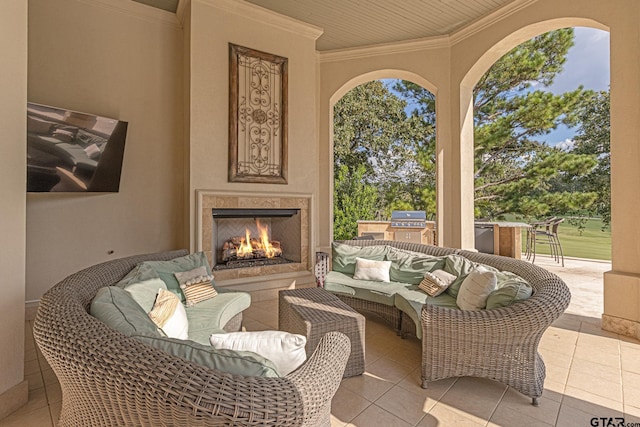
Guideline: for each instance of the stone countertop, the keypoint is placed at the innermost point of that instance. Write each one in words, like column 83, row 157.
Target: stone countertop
column 503, row 223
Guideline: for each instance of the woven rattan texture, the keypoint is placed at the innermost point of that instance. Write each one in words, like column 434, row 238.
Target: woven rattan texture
column 313, row 312
column 108, row 379
column 500, row 344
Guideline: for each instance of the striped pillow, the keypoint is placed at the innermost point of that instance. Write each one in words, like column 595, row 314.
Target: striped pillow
column 169, row 315
column 436, row 282
column 197, row 292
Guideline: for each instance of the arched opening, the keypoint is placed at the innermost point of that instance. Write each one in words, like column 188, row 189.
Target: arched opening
column 537, row 176
column 381, row 146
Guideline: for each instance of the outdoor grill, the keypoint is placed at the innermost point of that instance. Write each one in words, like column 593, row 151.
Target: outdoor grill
column 408, row 219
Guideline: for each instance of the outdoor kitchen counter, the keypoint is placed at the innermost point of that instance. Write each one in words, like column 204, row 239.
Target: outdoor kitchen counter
column 505, row 235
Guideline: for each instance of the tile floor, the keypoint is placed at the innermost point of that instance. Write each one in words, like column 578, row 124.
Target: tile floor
column 590, row 373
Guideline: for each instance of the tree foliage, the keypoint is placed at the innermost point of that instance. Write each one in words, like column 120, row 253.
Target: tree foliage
column 353, row 199
column 514, row 171
column 377, row 142
column 593, row 138
column 385, row 136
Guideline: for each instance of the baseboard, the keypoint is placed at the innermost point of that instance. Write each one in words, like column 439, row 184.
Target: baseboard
column 621, row 326
column 30, row 309
column 14, row 398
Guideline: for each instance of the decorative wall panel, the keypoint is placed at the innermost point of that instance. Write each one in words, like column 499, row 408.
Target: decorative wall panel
column 257, row 116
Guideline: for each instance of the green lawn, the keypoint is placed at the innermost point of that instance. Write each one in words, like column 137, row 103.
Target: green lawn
column 592, row 244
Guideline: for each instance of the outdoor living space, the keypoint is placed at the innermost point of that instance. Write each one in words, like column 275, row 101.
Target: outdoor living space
column 171, row 70
column 590, row 373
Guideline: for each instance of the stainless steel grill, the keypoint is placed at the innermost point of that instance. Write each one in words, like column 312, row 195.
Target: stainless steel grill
column 409, row 219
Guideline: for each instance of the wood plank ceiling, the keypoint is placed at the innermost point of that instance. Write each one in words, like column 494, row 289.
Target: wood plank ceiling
column 356, row 23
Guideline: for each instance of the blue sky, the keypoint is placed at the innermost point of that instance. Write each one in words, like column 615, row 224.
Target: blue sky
column 587, row 65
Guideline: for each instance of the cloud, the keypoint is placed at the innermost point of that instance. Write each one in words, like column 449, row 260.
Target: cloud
column 566, row 145
column 587, row 62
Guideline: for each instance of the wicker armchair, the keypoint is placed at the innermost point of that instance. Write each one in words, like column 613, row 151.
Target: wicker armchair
column 108, row 379
column 500, row 344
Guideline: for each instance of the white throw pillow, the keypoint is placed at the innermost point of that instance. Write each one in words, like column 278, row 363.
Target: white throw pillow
column 436, row 282
column 475, row 289
column 169, row 314
column 377, row 271
column 285, row 350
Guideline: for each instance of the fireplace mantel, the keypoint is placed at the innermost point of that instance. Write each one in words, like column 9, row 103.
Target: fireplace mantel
column 258, row 279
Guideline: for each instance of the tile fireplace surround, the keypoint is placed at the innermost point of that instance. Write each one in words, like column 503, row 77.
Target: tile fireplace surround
column 262, row 281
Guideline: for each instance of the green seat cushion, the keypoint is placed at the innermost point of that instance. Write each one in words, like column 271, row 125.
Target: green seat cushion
column 117, row 309
column 508, row 291
column 381, row 292
column 409, row 267
column 210, row 316
column 411, row 299
column 244, row 363
column 165, row 270
column 343, row 256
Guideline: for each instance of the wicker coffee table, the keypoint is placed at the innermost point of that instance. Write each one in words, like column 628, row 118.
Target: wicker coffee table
column 313, row 312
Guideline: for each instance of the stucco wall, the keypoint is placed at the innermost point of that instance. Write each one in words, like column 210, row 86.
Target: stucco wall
column 13, row 86
column 214, row 24
column 108, row 59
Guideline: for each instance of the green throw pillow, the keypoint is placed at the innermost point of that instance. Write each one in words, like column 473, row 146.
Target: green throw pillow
column 458, row 266
column 508, row 292
column 145, row 292
column 344, row 256
column 244, row 363
column 165, row 270
column 410, row 267
column 117, row 309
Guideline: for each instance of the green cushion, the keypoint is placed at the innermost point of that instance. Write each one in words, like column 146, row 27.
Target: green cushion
column 145, row 292
column 234, row 362
column 210, row 316
column 118, row 310
column 381, row 292
column 164, row 270
column 411, row 300
column 460, row 267
column 409, row 267
column 509, row 291
column 344, row 256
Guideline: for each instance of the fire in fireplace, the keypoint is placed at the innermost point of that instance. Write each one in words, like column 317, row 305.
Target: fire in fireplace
column 247, row 247
column 256, row 237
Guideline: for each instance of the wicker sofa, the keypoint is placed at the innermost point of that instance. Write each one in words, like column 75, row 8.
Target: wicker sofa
column 499, row 344
column 109, row 379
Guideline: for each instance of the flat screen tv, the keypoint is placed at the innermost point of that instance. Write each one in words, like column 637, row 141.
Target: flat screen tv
column 69, row 151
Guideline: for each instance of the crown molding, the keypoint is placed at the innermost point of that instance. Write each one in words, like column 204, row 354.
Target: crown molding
column 182, row 10
column 437, row 42
column 385, row 49
column 488, row 20
column 265, row 16
column 138, row 10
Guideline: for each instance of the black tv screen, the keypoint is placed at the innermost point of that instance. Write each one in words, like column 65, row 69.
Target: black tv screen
column 69, row 151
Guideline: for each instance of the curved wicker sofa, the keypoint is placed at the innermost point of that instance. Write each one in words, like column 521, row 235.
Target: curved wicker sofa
column 500, row 344
column 108, row 379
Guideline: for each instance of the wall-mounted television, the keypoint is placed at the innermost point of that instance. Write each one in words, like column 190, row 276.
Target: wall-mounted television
column 69, row 151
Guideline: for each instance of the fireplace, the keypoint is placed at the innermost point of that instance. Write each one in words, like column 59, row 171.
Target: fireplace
column 288, row 217
column 246, row 237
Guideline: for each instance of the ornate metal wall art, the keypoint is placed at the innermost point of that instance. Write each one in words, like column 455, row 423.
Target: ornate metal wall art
column 257, row 116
